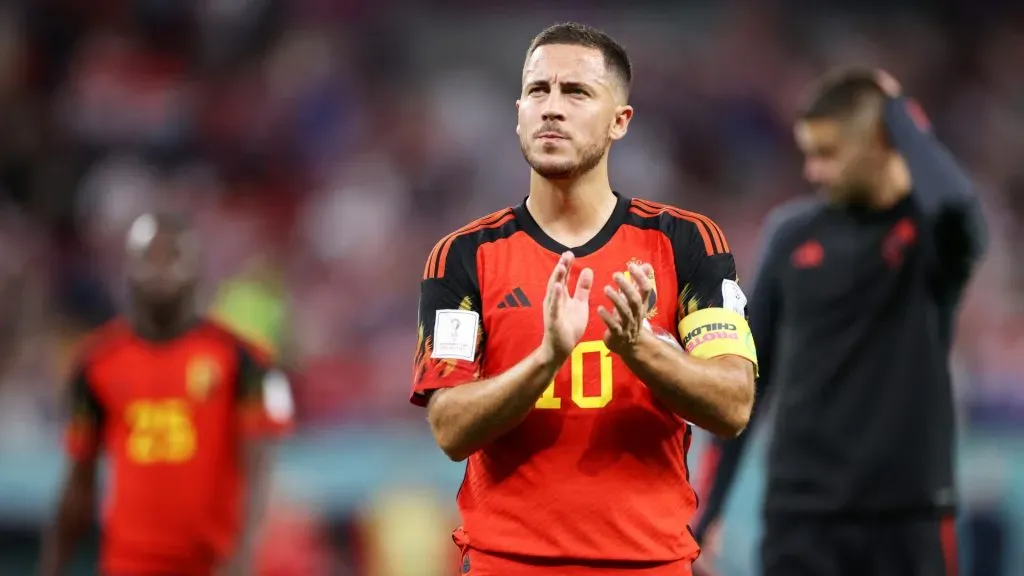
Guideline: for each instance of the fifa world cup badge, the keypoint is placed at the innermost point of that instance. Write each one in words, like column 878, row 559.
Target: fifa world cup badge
column 201, row 376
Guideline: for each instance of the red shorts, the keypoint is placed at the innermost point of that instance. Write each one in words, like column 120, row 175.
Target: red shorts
column 477, row 563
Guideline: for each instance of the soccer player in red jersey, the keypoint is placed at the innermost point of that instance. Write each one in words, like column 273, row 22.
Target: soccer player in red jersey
column 573, row 405
column 184, row 411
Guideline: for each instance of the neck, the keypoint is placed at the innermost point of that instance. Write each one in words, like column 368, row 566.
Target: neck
column 895, row 184
column 572, row 210
column 163, row 322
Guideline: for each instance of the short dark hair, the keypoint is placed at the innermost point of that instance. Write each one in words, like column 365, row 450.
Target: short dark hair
column 576, row 34
column 841, row 93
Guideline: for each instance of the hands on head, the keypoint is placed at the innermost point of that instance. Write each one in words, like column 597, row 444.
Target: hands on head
column 888, row 84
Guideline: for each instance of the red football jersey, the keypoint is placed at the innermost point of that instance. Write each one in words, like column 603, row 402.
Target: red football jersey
column 171, row 416
column 597, row 471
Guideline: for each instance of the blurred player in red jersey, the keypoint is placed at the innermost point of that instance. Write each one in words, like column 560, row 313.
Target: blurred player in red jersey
column 184, row 410
column 574, row 408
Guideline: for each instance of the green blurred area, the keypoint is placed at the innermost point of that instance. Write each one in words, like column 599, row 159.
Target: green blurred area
column 252, row 304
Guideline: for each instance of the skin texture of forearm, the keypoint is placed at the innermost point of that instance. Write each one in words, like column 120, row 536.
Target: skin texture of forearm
column 74, row 515
column 257, row 463
column 467, row 417
column 716, row 394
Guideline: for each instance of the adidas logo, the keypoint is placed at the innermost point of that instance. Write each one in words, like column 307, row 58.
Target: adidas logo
column 515, row 299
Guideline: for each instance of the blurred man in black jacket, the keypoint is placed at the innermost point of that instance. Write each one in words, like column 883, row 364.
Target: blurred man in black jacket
column 853, row 311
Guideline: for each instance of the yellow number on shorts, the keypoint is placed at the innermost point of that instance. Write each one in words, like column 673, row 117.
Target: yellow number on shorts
column 160, row 432
column 548, row 398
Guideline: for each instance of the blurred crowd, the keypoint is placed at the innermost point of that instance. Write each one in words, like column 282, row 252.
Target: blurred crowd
column 324, row 145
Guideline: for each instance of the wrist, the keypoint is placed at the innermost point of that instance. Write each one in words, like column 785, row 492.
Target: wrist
column 646, row 343
column 548, row 357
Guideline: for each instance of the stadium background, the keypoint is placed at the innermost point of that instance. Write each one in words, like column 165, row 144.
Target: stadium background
column 325, row 144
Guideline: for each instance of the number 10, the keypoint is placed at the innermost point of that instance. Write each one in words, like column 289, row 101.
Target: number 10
column 550, row 401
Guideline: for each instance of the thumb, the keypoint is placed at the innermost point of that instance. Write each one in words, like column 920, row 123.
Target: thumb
column 583, row 285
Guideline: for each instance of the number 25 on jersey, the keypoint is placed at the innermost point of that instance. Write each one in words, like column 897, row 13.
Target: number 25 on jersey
column 160, row 432
column 589, row 348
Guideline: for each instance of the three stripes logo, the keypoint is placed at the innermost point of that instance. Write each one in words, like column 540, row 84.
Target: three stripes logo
column 515, row 299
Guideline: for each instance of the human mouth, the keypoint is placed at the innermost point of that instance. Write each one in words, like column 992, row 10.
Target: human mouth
column 548, row 136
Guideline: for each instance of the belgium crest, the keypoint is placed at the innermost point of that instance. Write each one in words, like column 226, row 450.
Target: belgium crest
column 202, row 375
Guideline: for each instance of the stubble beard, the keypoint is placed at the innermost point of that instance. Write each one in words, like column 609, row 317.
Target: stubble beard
column 589, row 157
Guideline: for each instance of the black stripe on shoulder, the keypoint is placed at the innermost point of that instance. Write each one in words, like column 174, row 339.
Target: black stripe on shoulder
column 467, row 239
column 682, row 224
column 457, row 254
column 644, row 220
column 493, row 234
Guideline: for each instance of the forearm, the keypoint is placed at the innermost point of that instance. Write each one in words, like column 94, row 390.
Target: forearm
column 467, row 417
column 258, row 461
column 74, row 515
column 715, row 394
column 942, row 186
column 61, row 540
column 937, row 177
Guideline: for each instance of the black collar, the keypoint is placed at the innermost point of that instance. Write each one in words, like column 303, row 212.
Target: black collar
column 533, row 230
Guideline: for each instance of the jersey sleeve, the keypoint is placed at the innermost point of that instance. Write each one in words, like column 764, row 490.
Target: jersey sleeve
column 84, row 432
column 712, row 317
column 943, row 189
column 450, row 332
column 263, row 395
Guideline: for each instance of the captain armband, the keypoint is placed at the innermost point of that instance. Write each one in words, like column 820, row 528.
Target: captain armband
column 713, row 332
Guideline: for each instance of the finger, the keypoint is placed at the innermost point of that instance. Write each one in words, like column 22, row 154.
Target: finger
column 887, row 83
column 564, row 264
column 561, row 271
column 610, row 320
column 642, row 280
column 557, row 275
column 636, row 274
column 583, row 285
column 568, row 258
column 556, row 287
column 629, row 290
column 620, row 303
column 645, row 285
column 642, row 277
column 555, row 284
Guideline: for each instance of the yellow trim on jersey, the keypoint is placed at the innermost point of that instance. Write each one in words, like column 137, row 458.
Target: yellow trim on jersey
column 713, row 332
